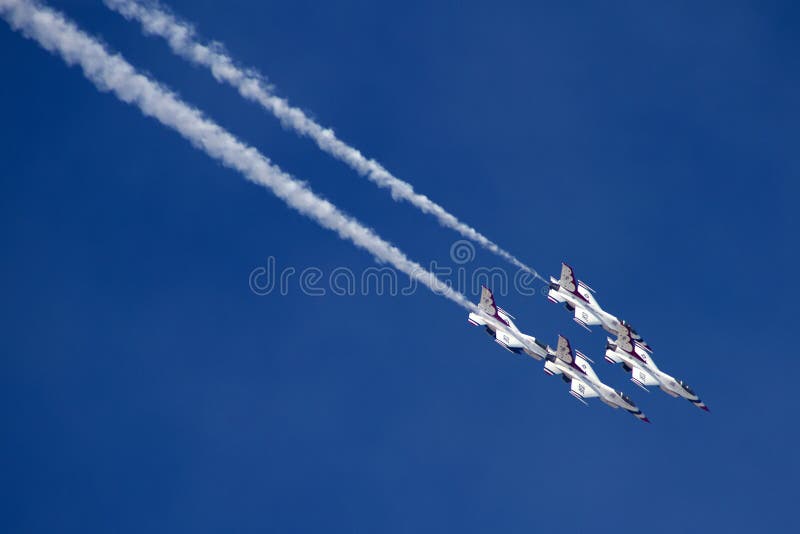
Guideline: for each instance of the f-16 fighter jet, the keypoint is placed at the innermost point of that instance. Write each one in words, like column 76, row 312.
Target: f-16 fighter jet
column 584, row 383
column 636, row 359
column 499, row 325
column 578, row 298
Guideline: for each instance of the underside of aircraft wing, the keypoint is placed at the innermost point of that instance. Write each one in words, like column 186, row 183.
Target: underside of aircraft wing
column 642, row 378
column 508, row 342
column 581, row 390
column 585, row 318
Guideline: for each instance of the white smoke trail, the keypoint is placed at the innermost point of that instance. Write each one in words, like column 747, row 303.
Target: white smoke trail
column 112, row 73
column 180, row 35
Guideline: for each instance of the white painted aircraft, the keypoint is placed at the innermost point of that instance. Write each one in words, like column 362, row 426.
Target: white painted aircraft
column 501, row 327
column 636, row 359
column 578, row 298
column 584, row 383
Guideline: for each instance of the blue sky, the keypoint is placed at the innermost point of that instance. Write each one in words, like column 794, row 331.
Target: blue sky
column 144, row 387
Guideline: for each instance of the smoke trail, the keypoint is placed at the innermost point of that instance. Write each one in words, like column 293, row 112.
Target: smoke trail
column 112, row 73
column 180, row 35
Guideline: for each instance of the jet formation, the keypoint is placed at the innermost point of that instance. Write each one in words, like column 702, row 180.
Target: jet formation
column 627, row 347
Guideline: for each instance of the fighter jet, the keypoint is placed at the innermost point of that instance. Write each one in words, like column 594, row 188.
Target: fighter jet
column 578, row 298
column 584, row 383
column 636, row 359
column 499, row 325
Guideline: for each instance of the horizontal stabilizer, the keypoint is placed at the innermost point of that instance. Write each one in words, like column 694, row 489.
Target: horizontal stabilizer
column 551, row 369
column 505, row 312
column 476, row 320
column 611, row 355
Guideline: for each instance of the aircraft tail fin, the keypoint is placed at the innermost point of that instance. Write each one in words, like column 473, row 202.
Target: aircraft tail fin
column 624, row 341
column 637, row 338
column 567, row 280
column 566, row 354
column 564, row 350
column 488, row 306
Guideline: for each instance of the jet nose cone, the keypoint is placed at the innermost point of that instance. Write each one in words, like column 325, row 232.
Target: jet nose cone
column 638, row 414
column 700, row 404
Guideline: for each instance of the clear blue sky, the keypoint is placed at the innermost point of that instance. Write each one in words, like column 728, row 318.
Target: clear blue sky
column 145, row 388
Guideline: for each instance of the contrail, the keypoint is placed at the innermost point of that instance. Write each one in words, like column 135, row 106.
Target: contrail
column 180, row 35
column 112, row 73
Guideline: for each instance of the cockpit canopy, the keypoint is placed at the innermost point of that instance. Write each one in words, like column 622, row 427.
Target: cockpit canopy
column 685, row 386
column 625, row 398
